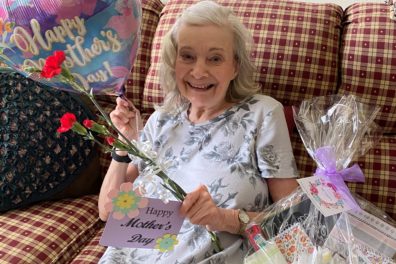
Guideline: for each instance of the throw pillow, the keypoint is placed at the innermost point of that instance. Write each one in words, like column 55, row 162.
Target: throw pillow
column 36, row 163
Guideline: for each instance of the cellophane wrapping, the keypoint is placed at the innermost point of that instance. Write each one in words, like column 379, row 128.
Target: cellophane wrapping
column 294, row 230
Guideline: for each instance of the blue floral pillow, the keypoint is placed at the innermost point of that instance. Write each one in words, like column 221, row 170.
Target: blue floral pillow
column 36, row 163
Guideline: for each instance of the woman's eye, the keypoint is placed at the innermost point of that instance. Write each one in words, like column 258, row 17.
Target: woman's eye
column 216, row 59
column 186, row 57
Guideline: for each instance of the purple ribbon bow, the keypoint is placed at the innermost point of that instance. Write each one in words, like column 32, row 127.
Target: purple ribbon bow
column 327, row 158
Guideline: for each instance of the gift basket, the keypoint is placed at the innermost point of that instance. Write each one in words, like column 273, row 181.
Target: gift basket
column 322, row 222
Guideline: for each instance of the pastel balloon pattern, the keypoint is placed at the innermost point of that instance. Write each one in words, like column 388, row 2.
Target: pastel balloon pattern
column 100, row 38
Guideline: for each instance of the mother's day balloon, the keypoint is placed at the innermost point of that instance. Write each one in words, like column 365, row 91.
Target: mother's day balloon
column 100, row 38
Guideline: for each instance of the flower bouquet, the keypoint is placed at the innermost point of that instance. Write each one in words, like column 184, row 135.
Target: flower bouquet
column 322, row 222
column 92, row 130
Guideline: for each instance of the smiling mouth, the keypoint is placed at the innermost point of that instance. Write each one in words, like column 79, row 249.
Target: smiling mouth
column 200, row 87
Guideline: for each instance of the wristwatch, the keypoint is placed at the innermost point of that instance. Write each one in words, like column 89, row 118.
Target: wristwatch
column 122, row 159
column 243, row 220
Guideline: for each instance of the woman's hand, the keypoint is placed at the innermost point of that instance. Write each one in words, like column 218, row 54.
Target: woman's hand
column 200, row 209
column 126, row 118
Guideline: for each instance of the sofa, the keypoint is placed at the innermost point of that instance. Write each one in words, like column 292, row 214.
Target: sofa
column 301, row 50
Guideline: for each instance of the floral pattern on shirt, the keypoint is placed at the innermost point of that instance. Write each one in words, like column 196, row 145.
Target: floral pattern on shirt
column 232, row 155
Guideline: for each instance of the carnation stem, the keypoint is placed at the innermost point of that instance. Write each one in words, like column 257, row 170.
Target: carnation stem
column 103, row 113
column 172, row 186
column 180, row 194
column 67, row 76
column 99, row 143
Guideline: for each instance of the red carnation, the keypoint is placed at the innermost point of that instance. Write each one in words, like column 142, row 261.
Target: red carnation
column 52, row 66
column 110, row 140
column 67, row 122
column 88, row 123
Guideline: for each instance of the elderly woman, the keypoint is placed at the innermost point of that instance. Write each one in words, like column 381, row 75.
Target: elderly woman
column 227, row 146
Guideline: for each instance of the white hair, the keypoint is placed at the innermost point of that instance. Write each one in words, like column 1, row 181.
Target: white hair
column 201, row 14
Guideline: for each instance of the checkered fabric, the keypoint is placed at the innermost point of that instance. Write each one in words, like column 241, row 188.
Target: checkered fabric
column 49, row 232
column 151, row 10
column 369, row 59
column 295, row 47
column 92, row 252
column 379, row 167
column 305, row 164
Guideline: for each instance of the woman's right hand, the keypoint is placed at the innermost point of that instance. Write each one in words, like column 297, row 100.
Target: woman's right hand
column 126, row 119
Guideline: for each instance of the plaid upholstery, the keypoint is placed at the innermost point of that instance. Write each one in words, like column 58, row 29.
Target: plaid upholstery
column 295, row 47
column 368, row 69
column 49, row 232
column 135, row 83
column 305, row 164
column 379, row 167
column 369, row 59
column 92, row 252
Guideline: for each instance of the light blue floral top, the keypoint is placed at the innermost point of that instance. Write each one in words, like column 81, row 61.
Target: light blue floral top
column 232, row 155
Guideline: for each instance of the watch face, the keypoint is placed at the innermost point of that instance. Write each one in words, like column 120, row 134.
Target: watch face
column 243, row 217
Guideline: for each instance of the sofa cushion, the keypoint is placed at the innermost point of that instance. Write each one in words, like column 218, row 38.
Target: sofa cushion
column 48, row 232
column 92, row 251
column 35, row 162
column 379, row 167
column 368, row 62
column 295, row 47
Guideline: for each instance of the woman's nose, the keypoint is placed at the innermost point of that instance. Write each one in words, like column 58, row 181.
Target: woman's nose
column 199, row 70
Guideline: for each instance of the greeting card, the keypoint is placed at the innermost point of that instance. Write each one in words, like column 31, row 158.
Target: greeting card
column 139, row 222
column 324, row 195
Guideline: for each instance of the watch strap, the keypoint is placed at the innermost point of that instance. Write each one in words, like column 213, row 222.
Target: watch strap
column 243, row 220
column 119, row 158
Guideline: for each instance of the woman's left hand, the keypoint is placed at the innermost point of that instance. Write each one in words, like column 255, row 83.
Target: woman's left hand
column 200, row 209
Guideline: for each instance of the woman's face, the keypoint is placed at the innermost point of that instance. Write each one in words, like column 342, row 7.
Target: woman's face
column 205, row 64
